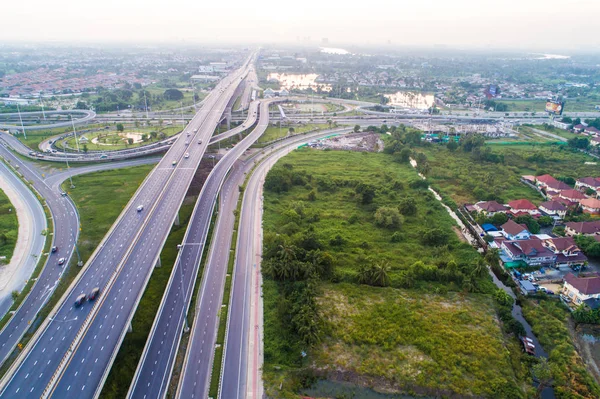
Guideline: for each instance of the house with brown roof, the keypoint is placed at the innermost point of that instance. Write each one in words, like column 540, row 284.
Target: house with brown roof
column 572, row 195
column 566, row 250
column 558, row 187
column 543, row 180
column 553, row 208
column 579, row 289
column 490, row 208
column 590, row 205
column 531, row 251
column 515, row 231
column 588, row 182
column 523, row 206
column 585, row 228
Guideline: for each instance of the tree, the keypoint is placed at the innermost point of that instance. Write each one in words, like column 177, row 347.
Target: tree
column 545, row 221
column 85, row 149
column 15, row 295
column 130, row 141
column 452, row 145
column 120, row 127
column 499, row 219
column 312, row 196
column 173, row 95
column 366, row 192
column 380, row 274
column 153, row 134
column 542, row 372
column 492, row 257
column 434, row 237
column 408, row 206
column 388, row 218
column 404, row 155
column 356, row 128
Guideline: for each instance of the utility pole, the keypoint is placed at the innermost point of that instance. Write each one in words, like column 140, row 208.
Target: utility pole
column 42, row 103
column 67, row 161
column 75, row 133
column 21, row 119
column 182, row 120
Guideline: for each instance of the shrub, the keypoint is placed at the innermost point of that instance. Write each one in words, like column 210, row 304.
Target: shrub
column 388, row 217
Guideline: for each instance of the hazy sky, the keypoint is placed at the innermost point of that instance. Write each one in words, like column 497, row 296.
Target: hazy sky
column 544, row 24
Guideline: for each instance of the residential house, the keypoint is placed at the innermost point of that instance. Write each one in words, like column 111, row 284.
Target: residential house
column 561, row 125
column 572, row 195
column 490, row 208
column 557, row 187
column 588, row 182
column 592, row 131
column 515, row 231
column 522, row 207
column 579, row 128
column 585, row 228
column 579, row 289
column 531, row 251
column 553, row 208
column 543, row 180
column 590, row 205
column 595, row 141
column 566, row 250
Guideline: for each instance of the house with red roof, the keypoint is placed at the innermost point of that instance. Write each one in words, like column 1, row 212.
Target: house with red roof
column 591, row 130
column 566, row 250
column 543, row 180
column 558, row 186
column 590, row 205
column 523, row 206
column 579, row 289
column 531, row 251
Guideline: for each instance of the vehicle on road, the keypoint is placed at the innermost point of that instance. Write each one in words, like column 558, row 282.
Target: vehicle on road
column 54, row 249
column 527, row 346
column 199, row 141
column 174, row 163
column 31, row 153
column 94, row 294
column 61, row 261
column 187, row 142
column 103, row 156
column 188, row 134
column 196, row 130
column 140, row 208
column 80, row 300
column 187, row 155
column 64, row 194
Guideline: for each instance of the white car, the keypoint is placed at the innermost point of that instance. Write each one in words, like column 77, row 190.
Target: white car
column 199, row 141
column 140, row 208
column 187, row 155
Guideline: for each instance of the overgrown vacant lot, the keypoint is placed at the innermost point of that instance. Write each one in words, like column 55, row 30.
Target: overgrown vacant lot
column 410, row 339
column 9, row 227
column 466, row 179
column 386, row 299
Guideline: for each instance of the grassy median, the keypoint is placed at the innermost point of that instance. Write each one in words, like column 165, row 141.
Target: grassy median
column 9, row 228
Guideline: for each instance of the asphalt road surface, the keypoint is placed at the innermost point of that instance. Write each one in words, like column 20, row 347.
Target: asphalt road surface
column 30, row 241
column 55, row 362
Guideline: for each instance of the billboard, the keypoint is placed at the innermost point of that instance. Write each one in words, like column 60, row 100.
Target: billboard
column 555, row 107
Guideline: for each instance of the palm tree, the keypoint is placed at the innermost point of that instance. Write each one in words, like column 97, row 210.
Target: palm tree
column 479, row 269
column 380, row 273
column 364, row 273
column 492, row 257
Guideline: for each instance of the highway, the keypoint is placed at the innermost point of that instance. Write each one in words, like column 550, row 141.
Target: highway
column 87, row 117
column 155, row 367
column 30, row 241
column 125, row 257
column 242, row 358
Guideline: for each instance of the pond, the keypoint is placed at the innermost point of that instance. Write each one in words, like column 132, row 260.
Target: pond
column 299, row 82
column 411, row 99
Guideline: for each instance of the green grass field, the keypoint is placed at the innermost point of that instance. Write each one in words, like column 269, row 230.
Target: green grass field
column 274, row 132
column 35, row 137
column 9, row 228
column 536, row 105
column 431, row 339
column 466, row 180
column 111, row 139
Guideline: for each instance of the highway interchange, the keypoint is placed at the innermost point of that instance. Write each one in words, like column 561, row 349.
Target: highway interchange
column 73, row 349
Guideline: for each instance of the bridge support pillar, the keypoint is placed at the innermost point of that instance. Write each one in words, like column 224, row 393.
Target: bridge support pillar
column 176, row 223
column 129, row 328
column 228, row 118
column 158, row 263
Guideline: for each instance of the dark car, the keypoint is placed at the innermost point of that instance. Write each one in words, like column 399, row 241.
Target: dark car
column 54, row 249
column 80, row 300
column 94, row 294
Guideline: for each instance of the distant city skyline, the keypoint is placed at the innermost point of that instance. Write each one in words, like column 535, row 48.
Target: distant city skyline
column 545, row 25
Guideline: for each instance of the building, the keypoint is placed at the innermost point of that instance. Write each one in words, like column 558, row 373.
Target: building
column 592, row 131
column 269, row 93
column 490, row 208
column 205, row 69
column 566, row 250
column 532, row 252
column 585, row 228
column 588, row 182
column 572, row 195
column 590, row 205
column 579, row 289
column 561, row 125
column 523, row 206
column 515, row 231
column 557, row 186
column 579, row 128
column 543, row 180
column 553, row 208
